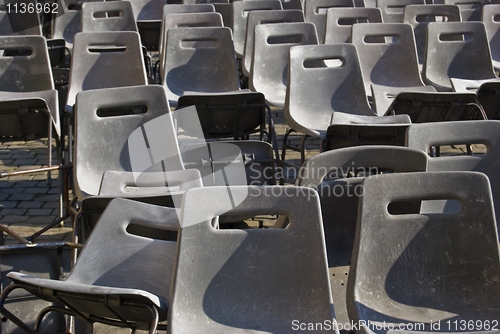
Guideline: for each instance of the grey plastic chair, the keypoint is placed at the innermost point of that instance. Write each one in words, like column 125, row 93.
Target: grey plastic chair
column 123, row 274
column 423, row 136
column 383, row 96
column 470, row 10
column 17, row 23
column 98, row 150
column 243, row 269
column 437, row 107
column 424, row 270
column 28, row 101
column 339, row 22
column 315, row 12
column 271, row 56
column 387, row 55
column 184, row 20
column 340, row 192
column 319, row 95
column 492, row 31
column 240, row 19
column 98, row 61
column 199, row 60
column 108, row 16
column 418, row 16
column 451, row 52
column 66, row 26
column 184, row 9
column 392, row 10
column 256, row 17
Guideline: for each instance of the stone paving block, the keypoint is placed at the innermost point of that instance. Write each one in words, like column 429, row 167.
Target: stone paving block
column 30, row 204
column 8, row 204
column 12, row 190
column 22, row 197
column 40, row 212
column 6, row 184
column 14, row 219
column 36, row 190
column 45, row 220
column 50, row 205
column 45, row 198
column 13, row 212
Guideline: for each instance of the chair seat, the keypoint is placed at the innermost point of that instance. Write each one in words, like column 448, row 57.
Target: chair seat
column 42, row 99
column 87, row 289
column 384, row 95
column 469, row 86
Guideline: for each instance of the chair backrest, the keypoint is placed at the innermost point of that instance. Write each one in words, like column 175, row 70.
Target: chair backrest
column 257, row 17
column 399, row 259
column 315, row 12
column 16, row 19
column 387, row 54
column 236, row 264
column 66, row 26
column 271, row 56
column 105, row 119
column 418, row 16
column 147, row 10
column 470, row 10
column 492, row 25
column 348, row 135
column 98, row 62
column 235, row 115
column 339, row 22
column 24, row 64
column 425, row 107
column 392, row 10
column 206, row 19
column 423, row 136
column 108, row 16
column 456, row 50
column 181, row 9
column 120, row 251
column 199, row 60
column 316, row 91
column 240, row 19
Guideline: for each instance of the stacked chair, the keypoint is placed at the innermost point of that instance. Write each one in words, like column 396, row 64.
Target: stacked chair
column 167, row 115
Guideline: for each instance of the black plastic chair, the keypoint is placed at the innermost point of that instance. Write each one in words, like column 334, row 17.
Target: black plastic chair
column 456, row 50
column 122, row 276
column 425, row 270
column 246, row 268
column 437, row 107
column 349, row 135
